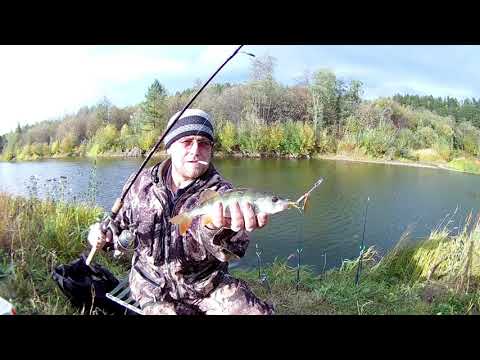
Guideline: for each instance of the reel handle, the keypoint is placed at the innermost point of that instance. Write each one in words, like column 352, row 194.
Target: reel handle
column 105, row 229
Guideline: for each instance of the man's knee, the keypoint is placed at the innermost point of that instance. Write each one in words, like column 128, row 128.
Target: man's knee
column 159, row 308
column 234, row 297
column 261, row 308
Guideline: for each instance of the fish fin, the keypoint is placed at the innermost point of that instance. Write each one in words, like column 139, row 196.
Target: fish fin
column 184, row 221
column 206, row 220
column 208, row 194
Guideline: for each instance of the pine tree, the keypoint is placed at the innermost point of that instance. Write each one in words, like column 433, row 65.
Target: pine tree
column 154, row 107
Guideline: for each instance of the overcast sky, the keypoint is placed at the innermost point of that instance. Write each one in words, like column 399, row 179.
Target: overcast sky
column 46, row 82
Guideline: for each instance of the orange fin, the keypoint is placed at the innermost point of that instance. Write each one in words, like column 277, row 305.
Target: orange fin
column 183, row 221
column 207, row 195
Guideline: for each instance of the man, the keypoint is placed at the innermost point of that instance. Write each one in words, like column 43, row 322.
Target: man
column 175, row 274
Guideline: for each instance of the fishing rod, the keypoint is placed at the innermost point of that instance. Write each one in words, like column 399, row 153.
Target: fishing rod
column 104, row 226
column 362, row 248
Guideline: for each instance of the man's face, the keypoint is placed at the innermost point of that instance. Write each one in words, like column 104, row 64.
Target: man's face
column 186, row 153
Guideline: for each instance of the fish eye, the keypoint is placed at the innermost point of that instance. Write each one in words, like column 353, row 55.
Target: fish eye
column 274, row 199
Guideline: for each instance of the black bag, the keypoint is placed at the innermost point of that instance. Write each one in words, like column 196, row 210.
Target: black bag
column 84, row 284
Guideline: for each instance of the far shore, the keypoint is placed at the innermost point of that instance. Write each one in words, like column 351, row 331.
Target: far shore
column 335, row 157
column 387, row 162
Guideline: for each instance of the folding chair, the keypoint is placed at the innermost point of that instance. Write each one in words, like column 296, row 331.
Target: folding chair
column 121, row 295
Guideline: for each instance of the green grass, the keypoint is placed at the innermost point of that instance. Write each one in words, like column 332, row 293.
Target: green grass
column 467, row 165
column 439, row 275
column 36, row 236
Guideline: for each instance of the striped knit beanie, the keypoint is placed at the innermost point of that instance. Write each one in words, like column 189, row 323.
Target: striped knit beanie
column 192, row 122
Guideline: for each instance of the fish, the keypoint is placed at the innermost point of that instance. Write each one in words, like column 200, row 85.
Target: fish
column 263, row 202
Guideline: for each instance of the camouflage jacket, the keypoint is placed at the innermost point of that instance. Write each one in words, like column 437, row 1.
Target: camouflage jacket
column 166, row 264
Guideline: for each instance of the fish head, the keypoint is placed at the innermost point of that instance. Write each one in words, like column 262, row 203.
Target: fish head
column 272, row 204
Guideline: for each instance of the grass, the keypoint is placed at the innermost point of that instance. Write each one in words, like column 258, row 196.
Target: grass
column 466, row 165
column 36, row 236
column 439, row 275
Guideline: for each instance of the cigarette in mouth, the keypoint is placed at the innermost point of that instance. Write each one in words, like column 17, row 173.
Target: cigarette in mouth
column 203, row 162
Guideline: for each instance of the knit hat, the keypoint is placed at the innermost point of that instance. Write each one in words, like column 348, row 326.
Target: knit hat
column 192, row 122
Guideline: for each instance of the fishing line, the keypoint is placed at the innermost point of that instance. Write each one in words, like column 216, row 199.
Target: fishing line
column 258, row 252
column 324, row 265
column 362, row 246
column 262, row 275
column 300, row 226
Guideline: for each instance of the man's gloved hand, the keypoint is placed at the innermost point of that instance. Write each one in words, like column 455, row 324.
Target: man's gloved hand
column 95, row 237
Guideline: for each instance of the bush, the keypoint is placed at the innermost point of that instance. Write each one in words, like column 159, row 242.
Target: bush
column 275, row 134
column 405, row 139
column 227, row 136
column 348, row 143
column 147, row 139
column 66, row 145
column 326, row 143
column 127, row 139
column 8, row 155
column 106, row 138
column 426, row 137
column 292, row 141
column 54, row 147
column 379, row 141
column 444, row 149
column 468, row 138
column 252, row 135
column 427, row 155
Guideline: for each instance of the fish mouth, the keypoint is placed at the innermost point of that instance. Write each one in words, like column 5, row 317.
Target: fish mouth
column 293, row 204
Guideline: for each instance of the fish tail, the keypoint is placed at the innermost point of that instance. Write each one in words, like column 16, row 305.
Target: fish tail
column 184, row 221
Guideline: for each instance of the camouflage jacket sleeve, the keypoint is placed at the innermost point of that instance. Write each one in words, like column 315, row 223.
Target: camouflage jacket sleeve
column 124, row 216
column 224, row 244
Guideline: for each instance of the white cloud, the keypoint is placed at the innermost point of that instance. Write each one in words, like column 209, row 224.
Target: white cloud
column 40, row 82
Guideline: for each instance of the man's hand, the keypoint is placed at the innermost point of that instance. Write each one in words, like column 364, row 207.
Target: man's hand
column 242, row 217
column 95, row 237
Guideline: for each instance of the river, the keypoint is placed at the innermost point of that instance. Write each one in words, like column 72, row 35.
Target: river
column 401, row 198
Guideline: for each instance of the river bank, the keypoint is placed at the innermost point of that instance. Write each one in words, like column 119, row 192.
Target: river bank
column 439, row 275
column 460, row 164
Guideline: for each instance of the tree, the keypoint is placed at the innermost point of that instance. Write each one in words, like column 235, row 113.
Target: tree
column 154, row 107
column 263, row 90
column 352, row 98
column 262, row 68
column 104, row 111
column 325, row 103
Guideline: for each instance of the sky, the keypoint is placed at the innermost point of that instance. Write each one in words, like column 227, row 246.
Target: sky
column 42, row 82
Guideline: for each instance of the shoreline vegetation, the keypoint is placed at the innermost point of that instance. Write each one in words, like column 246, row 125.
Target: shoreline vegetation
column 438, row 275
column 463, row 165
column 321, row 116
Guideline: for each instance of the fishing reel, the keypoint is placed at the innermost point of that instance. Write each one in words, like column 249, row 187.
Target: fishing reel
column 117, row 239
